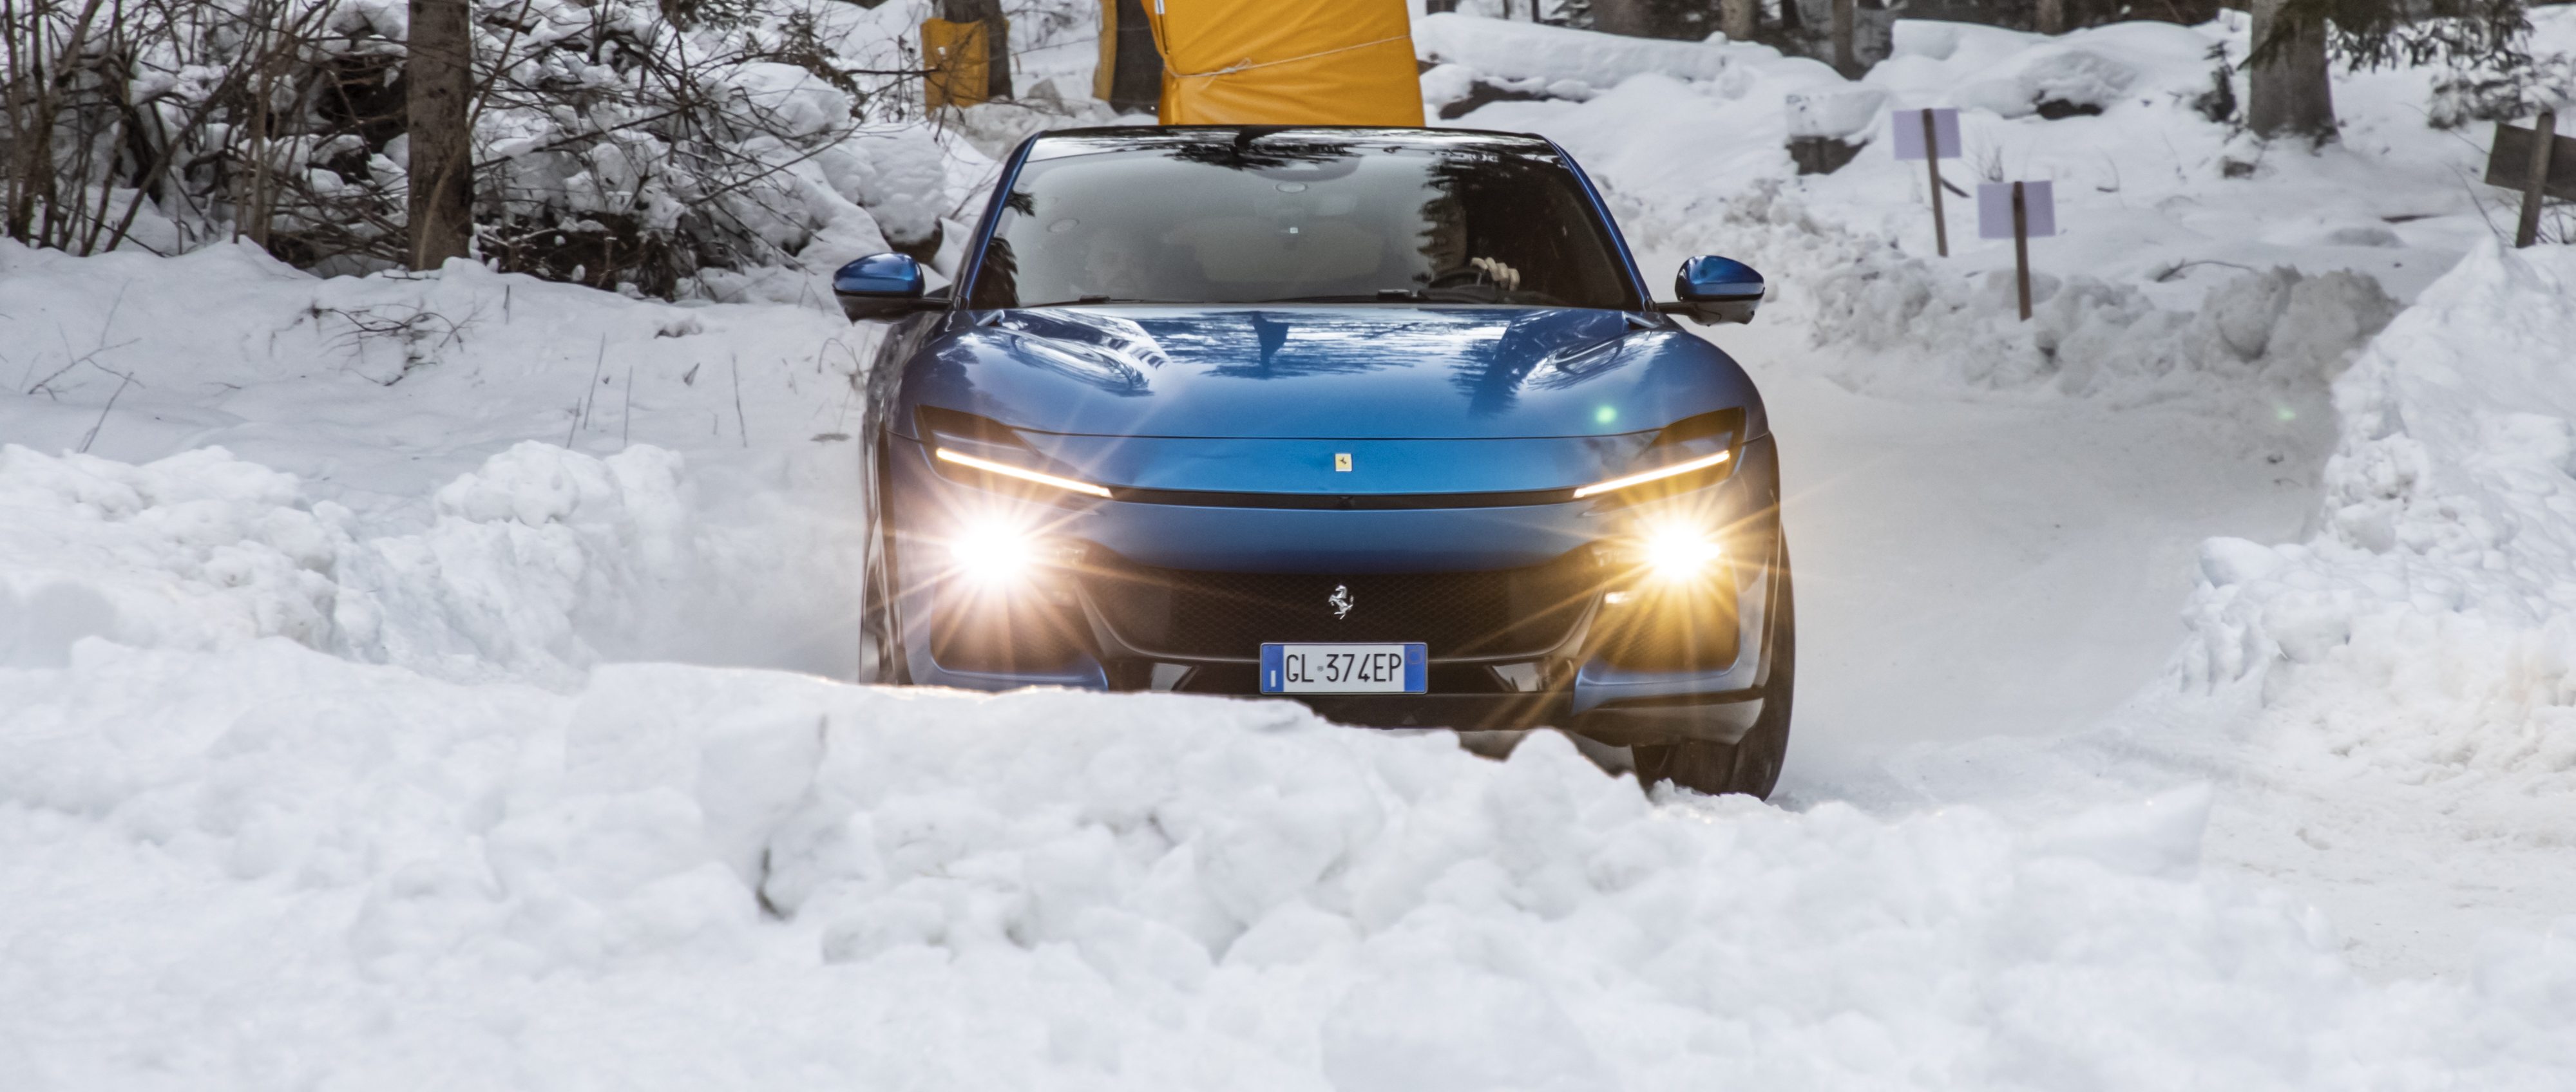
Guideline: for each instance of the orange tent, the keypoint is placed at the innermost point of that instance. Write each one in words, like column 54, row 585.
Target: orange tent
column 1298, row 62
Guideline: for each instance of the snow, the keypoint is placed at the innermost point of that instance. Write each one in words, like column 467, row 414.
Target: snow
column 2413, row 656
column 770, row 878
column 1549, row 55
column 412, row 680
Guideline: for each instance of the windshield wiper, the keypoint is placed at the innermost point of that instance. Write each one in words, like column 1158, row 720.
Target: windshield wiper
column 1477, row 294
column 1086, row 301
column 1383, row 295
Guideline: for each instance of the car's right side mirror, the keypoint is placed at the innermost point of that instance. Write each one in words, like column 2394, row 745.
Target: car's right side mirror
column 883, row 286
column 1714, row 289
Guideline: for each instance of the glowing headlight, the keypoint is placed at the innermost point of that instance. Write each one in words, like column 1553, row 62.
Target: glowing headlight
column 1679, row 552
column 1022, row 473
column 994, row 552
column 999, row 552
column 1644, row 476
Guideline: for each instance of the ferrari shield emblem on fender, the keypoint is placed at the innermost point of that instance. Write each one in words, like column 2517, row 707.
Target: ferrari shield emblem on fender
column 1341, row 600
column 1342, row 461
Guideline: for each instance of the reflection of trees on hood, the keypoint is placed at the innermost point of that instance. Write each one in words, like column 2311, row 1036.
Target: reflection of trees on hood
column 1491, row 377
column 1119, row 335
column 1283, row 348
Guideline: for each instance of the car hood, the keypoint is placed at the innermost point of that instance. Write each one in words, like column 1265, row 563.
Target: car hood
column 1359, row 372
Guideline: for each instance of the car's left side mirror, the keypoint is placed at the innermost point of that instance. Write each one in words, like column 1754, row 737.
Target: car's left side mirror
column 1714, row 289
column 884, row 286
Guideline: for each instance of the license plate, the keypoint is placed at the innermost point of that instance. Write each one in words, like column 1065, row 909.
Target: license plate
column 1346, row 669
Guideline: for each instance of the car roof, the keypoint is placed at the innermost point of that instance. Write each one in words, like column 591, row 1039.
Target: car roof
column 1063, row 142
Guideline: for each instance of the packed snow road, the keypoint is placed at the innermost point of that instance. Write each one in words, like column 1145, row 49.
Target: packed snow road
column 1969, row 570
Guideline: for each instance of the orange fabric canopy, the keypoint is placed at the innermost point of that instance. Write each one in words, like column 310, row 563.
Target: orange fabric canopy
column 1300, row 62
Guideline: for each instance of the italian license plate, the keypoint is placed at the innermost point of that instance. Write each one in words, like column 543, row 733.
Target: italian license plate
column 1345, row 668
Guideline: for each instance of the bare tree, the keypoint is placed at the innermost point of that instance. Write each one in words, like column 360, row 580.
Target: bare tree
column 440, row 75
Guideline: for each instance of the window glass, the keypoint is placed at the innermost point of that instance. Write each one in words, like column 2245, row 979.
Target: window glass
column 1275, row 219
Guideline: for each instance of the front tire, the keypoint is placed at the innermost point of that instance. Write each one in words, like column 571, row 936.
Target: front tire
column 1750, row 766
column 880, row 639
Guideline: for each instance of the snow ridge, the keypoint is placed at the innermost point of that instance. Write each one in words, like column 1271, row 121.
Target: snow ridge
column 2423, row 640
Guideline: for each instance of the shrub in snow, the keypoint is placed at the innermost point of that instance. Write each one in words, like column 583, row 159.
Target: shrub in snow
column 2497, row 91
column 615, row 147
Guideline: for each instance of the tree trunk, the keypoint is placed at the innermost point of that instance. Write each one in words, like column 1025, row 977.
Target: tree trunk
column 2052, row 17
column 440, row 77
column 1740, row 18
column 1634, row 18
column 2291, row 94
column 1846, row 58
column 997, row 40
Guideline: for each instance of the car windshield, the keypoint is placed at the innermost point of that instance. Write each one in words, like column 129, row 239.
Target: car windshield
column 1301, row 221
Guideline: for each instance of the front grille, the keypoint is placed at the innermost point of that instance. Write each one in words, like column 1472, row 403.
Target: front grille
column 1190, row 613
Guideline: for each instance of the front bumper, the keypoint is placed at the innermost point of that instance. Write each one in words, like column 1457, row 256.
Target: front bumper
column 1564, row 666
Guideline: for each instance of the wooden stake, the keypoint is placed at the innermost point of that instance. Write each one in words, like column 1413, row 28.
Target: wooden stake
column 1932, row 163
column 2544, row 133
column 2021, row 250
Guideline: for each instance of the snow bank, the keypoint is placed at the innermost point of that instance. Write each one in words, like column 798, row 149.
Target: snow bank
column 2426, row 635
column 1546, row 55
column 2011, row 73
column 538, row 565
column 196, row 551
column 1929, row 333
column 685, row 877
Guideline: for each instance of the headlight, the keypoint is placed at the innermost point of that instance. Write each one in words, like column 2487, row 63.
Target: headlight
column 998, row 552
column 1697, row 451
column 1681, row 552
column 1022, row 473
column 987, row 454
column 1644, row 477
column 1676, row 552
column 994, row 552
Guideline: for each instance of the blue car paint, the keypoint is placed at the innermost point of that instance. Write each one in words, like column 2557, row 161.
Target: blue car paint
column 1153, row 397
column 893, row 275
column 1378, row 467
column 1709, row 277
column 1378, row 372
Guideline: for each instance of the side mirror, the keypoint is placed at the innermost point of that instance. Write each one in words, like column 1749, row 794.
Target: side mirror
column 883, row 286
column 1714, row 289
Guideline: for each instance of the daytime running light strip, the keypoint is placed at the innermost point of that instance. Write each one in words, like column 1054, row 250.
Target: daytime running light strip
column 1642, row 477
column 1026, row 475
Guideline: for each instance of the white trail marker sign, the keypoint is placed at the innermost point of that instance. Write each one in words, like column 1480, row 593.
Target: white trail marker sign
column 2017, row 211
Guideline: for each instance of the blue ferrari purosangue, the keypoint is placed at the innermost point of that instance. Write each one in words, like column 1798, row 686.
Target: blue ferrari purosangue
column 1380, row 420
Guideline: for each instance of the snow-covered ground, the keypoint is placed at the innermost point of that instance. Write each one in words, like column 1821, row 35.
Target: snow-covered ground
column 430, row 682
